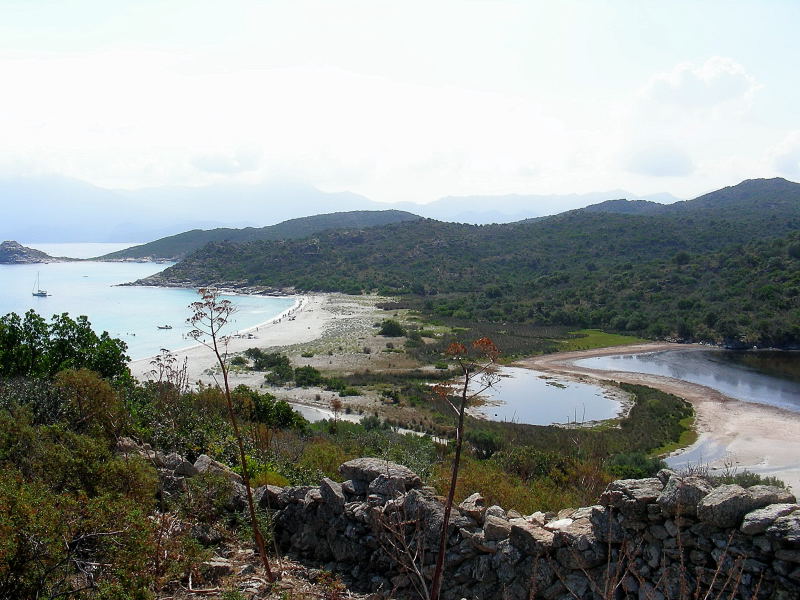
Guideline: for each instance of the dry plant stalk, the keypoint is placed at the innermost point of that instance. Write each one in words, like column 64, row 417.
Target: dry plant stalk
column 209, row 315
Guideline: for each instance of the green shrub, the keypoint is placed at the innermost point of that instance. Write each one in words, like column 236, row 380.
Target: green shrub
column 391, row 328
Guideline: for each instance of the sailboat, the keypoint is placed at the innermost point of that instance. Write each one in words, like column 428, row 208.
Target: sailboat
column 37, row 291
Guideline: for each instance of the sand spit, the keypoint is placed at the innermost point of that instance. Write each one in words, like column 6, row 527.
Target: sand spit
column 756, row 437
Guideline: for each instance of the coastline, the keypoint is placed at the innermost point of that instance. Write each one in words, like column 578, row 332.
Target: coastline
column 748, row 436
column 200, row 359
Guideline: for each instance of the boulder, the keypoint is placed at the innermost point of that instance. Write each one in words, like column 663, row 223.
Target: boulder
column 185, row 469
column 631, row 496
column 786, row 529
column 205, row 463
column 368, row 469
column 332, row 494
column 759, row 520
column 474, row 506
column 529, row 538
column 496, row 529
column 268, row 497
column 726, row 505
column 383, row 485
column 682, row 494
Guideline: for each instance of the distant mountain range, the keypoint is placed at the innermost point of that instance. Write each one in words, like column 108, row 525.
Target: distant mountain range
column 59, row 209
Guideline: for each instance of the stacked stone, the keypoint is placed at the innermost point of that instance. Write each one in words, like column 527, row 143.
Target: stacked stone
column 658, row 538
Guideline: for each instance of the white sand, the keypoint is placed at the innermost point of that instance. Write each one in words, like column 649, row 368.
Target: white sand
column 308, row 324
column 755, row 437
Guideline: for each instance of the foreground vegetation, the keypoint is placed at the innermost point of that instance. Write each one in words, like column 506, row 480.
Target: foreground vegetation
column 80, row 519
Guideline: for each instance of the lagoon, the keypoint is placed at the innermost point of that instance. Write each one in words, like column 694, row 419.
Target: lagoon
column 752, row 376
column 534, row 398
column 133, row 313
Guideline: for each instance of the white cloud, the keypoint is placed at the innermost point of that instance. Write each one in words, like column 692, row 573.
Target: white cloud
column 718, row 80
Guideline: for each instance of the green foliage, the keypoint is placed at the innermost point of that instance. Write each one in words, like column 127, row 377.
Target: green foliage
column 257, row 407
column 634, row 465
column 67, row 501
column 391, row 328
column 307, row 376
column 177, row 246
column 30, row 347
column 655, row 274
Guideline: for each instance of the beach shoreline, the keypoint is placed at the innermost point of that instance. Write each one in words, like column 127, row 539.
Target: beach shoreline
column 748, row 436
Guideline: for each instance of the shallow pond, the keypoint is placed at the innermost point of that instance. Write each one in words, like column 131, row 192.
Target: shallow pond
column 536, row 398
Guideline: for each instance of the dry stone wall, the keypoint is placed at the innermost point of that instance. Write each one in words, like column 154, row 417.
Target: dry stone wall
column 667, row 537
column 658, row 538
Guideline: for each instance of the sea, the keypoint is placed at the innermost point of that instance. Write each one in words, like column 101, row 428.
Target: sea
column 131, row 313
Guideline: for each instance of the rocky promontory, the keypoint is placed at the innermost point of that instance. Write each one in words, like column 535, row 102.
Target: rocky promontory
column 14, row 253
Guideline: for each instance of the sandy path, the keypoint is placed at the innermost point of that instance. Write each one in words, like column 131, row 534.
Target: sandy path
column 755, row 437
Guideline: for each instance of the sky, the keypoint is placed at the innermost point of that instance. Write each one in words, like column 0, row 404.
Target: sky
column 402, row 101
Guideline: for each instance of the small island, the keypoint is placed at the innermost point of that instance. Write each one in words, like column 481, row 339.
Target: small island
column 14, row 253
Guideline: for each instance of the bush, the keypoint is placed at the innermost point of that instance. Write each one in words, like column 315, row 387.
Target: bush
column 391, row 328
column 634, row 465
column 307, row 376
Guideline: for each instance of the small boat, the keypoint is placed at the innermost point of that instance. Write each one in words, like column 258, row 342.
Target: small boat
column 37, row 291
column 164, row 326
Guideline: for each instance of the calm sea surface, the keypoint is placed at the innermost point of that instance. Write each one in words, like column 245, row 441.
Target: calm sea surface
column 527, row 396
column 132, row 314
column 765, row 377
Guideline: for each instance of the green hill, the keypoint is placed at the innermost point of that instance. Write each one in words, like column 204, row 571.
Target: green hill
column 177, row 246
column 724, row 267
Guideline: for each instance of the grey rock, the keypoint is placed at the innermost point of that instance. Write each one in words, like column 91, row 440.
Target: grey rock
column 726, row 505
column 496, row 529
column 529, row 538
column 473, row 506
column 172, row 460
column 496, row 511
column 665, row 474
column 760, row 519
column 186, row 469
column 293, row 495
column 205, row 463
column 367, row 469
column 268, row 497
column 786, row 529
column 764, row 495
column 631, row 496
column 332, row 494
column 682, row 494
column 386, row 486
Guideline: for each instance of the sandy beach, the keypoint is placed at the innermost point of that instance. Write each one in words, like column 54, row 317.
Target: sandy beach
column 756, row 437
column 327, row 331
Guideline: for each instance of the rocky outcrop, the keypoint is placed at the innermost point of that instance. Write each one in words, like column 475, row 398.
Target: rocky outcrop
column 663, row 537
column 14, row 253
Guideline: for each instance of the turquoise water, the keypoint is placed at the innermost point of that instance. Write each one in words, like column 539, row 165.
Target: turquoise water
column 531, row 397
column 132, row 314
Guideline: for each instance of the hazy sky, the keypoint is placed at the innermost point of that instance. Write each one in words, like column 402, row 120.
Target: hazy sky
column 403, row 100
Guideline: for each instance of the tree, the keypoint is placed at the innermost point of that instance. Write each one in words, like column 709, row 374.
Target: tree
column 209, row 316
column 476, row 366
